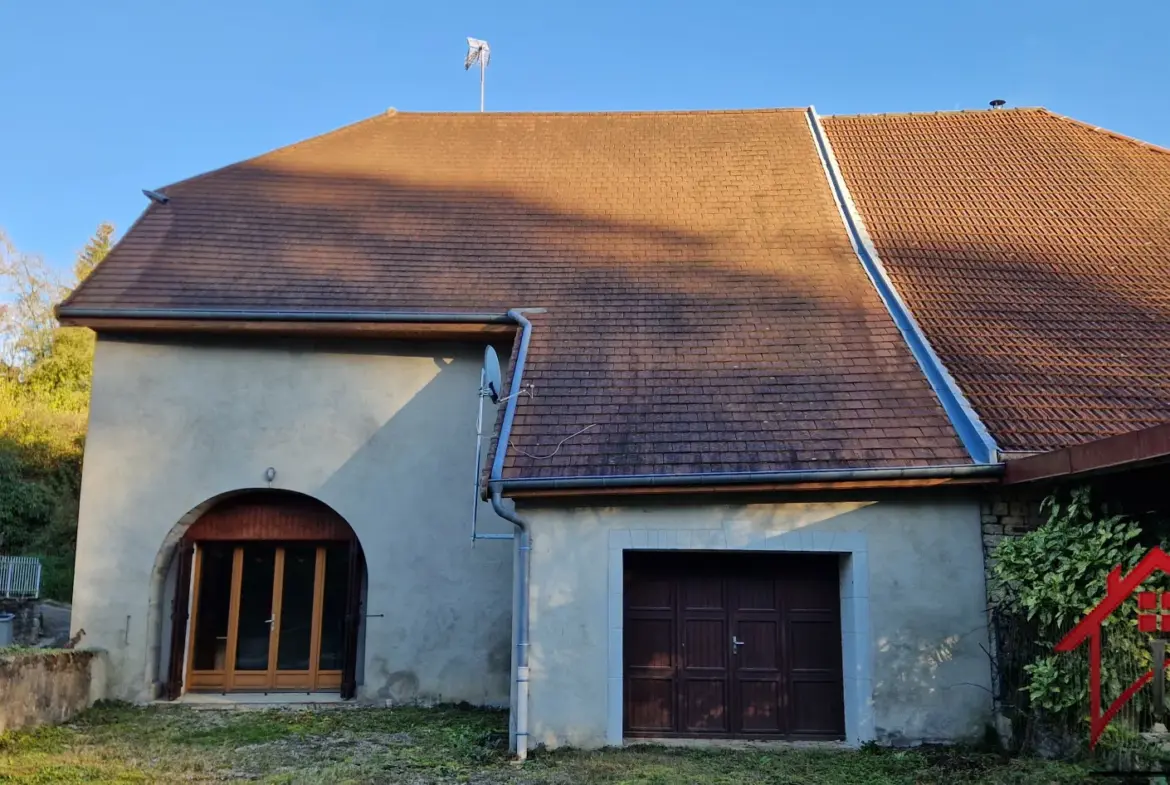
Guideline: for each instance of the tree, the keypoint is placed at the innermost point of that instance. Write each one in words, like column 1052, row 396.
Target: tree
column 26, row 332
column 94, row 251
column 45, row 373
column 62, row 376
column 55, row 361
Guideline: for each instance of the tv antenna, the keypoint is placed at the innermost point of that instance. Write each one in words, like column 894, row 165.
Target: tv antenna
column 478, row 52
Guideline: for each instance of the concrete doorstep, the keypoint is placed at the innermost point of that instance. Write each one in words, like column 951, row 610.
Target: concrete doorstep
column 251, row 701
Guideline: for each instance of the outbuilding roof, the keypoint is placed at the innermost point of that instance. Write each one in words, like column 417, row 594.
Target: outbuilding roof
column 1034, row 251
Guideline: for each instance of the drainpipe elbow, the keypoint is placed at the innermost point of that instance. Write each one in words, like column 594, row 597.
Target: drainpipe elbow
column 508, row 515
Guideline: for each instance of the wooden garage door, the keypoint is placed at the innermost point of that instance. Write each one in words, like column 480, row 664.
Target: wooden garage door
column 733, row 645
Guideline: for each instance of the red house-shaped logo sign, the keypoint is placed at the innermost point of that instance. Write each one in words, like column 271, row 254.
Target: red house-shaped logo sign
column 1153, row 615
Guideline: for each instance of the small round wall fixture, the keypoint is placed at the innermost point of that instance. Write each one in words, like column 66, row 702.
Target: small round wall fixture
column 270, row 474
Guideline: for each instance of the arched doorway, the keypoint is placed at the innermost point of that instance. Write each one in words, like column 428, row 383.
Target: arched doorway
column 268, row 598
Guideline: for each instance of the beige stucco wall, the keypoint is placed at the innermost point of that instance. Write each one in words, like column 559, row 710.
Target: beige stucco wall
column 913, row 608
column 384, row 433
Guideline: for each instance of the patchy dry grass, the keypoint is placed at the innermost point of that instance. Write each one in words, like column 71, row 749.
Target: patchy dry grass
column 443, row 745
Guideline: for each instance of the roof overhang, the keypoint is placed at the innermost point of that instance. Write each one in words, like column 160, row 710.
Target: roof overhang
column 486, row 326
column 385, row 325
column 1114, row 453
column 754, row 482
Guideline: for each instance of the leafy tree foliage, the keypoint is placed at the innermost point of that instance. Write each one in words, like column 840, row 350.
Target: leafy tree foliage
column 32, row 290
column 45, row 373
column 94, row 251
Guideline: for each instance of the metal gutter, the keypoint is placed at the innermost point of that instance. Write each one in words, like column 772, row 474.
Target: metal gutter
column 732, row 479
column 975, row 437
column 256, row 315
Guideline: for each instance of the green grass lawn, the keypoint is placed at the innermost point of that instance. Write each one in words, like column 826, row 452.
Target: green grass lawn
column 445, row 745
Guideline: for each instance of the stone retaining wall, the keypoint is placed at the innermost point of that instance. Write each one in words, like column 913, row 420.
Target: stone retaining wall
column 41, row 687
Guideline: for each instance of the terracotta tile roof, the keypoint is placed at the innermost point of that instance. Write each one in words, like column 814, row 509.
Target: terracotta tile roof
column 705, row 308
column 1035, row 252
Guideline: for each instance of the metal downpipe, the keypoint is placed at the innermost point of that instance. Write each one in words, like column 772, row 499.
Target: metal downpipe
column 524, row 545
column 524, row 539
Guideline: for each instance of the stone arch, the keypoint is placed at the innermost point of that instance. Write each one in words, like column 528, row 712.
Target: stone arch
column 306, row 518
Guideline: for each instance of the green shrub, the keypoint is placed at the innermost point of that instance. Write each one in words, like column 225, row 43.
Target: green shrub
column 1051, row 577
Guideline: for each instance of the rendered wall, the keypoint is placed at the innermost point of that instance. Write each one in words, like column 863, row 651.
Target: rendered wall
column 383, row 433
column 913, row 608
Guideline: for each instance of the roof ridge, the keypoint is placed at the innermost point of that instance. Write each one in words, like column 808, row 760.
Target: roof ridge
column 282, row 149
column 1041, row 110
column 392, row 112
column 602, row 112
column 1106, row 131
column 1003, row 110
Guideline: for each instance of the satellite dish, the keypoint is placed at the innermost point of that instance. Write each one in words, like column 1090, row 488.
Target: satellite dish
column 492, row 379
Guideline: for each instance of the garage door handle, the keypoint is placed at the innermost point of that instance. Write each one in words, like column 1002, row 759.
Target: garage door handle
column 735, row 644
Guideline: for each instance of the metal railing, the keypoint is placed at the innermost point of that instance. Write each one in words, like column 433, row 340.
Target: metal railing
column 20, row 577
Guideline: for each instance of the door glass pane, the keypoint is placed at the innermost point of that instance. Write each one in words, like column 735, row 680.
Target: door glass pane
column 333, row 615
column 212, row 606
column 253, row 637
column 296, row 608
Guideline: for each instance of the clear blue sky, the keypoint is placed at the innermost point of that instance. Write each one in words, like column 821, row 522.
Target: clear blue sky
column 103, row 99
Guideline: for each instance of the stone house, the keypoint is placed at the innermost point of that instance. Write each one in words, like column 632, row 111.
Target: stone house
column 763, row 371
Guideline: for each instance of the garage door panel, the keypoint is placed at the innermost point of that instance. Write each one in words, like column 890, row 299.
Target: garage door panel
column 643, row 593
column 810, row 595
column 759, row 645
column 706, row 705
column 650, row 643
column 650, row 704
column 759, row 703
column 703, row 593
column 704, row 644
column 815, row 644
column 757, row 594
column 817, row 708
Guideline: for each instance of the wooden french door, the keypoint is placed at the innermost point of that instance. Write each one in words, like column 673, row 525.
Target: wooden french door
column 269, row 616
column 732, row 645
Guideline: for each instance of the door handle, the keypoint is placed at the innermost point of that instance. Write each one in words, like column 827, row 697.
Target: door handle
column 271, row 621
column 735, row 644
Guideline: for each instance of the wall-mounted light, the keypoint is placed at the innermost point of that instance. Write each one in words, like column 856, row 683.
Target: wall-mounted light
column 270, row 474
